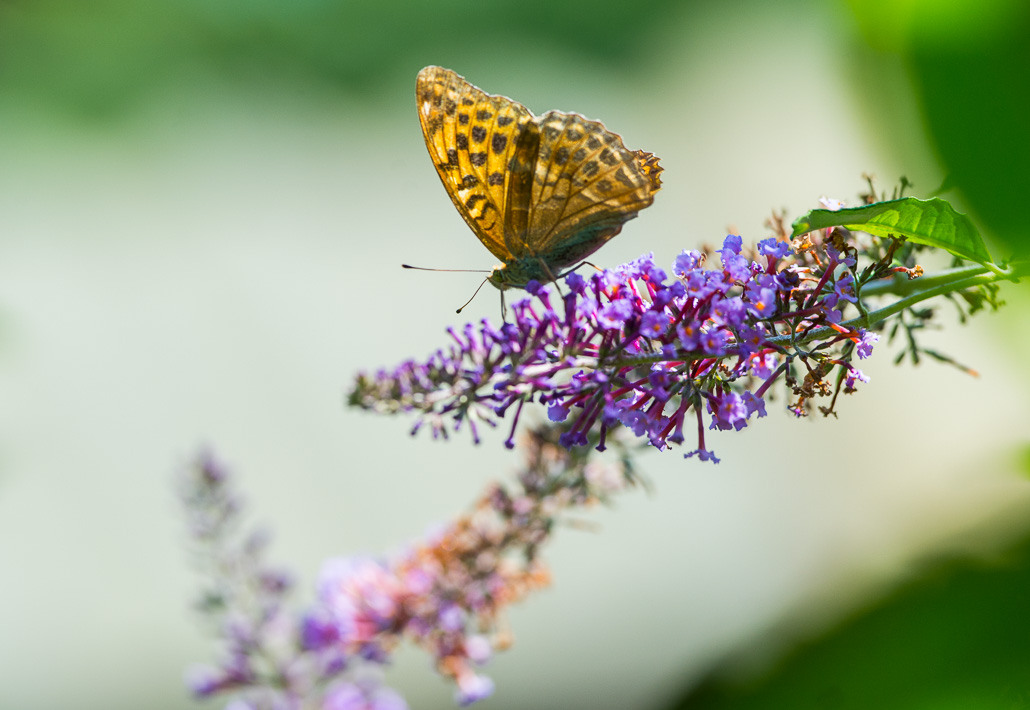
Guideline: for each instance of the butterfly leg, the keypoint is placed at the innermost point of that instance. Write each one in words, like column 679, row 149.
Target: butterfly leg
column 552, row 277
column 569, row 271
column 579, row 266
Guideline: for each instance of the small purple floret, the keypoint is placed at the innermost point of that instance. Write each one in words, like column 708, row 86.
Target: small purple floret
column 472, row 689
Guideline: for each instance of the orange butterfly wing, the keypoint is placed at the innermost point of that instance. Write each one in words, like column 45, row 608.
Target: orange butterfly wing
column 471, row 136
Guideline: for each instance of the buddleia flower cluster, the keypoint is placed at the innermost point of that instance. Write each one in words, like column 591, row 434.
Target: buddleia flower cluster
column 263, row 664
column 665, row 355
column 447, row 593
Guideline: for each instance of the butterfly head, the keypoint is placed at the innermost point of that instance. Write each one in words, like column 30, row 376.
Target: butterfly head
column 501, row 278
column 516, row 273
column 497, row 277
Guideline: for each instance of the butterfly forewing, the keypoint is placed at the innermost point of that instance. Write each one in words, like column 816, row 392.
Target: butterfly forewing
column 472, row 137
column 586, row 185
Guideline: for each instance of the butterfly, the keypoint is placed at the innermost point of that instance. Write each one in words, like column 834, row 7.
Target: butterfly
column 540, row 192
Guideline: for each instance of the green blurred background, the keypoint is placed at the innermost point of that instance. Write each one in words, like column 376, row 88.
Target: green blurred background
column 203, row 209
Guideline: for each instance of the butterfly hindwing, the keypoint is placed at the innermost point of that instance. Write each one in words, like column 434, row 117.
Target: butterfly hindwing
column 586, row 185
column 472, row 137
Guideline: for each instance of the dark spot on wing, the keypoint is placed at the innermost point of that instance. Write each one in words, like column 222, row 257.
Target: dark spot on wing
column 498, row 142
column 463, row 119
column 503, row 121
column 561, row 156
column 593, row 143
column 468, row 101
column 579, row 155
column 478, row 159
column 452, row 157
column 478, row 134
column 472, row 200
column 608, row 158
column 462, row 141
column 469, row 181
column 573, row 135
column 449, row 107
column 590, row 168
column 496, row 178
column 483, row 115
column 625, row 179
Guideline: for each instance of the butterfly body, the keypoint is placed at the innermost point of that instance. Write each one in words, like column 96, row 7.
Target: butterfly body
column 540, row 192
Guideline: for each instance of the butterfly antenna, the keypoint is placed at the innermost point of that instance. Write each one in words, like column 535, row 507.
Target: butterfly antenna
column 473, row 295
column 423, row 268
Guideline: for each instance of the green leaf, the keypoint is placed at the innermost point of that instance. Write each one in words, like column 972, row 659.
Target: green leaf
column 934, row 223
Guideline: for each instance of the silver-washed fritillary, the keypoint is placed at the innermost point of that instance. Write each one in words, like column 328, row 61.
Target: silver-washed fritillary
column 541, row 192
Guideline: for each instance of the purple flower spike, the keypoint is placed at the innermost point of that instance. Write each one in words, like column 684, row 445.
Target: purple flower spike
column 629, row 348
